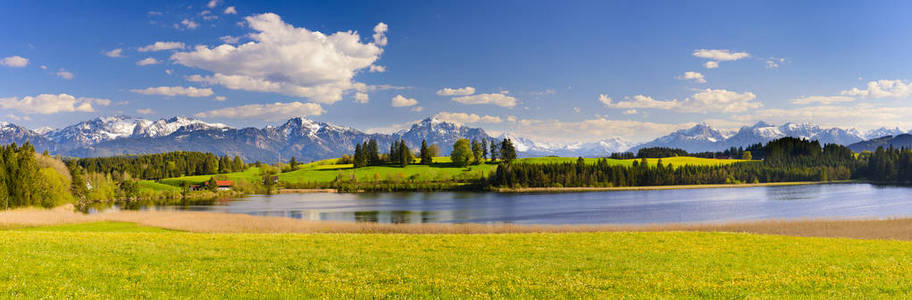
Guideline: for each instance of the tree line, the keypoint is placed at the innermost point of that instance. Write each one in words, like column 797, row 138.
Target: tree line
column 163, row 165
column 30, row 179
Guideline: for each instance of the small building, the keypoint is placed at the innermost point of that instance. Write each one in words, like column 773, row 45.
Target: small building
column 223, row 185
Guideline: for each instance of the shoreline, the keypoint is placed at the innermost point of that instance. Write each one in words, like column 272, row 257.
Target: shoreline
column 659, row 187
column 898, row 228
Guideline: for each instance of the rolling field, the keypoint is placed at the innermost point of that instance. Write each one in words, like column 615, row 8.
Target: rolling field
column 93, row 264
column 442, row 170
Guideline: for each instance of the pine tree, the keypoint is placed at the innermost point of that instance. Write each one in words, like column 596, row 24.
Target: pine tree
column 394, row 152
column 373, row 152
column 494, row 151
column 405, row 155
column 293, row 163
column 484, row 149
column 426, row 158
column 359, row 154
column 507, row 151
column 476, row 152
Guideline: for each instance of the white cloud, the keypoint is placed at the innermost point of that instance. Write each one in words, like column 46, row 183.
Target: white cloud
column 155, row 13
column 168, row 71
column 861, row 115
column 114, row 53
column 281, row 59
column 220, row 98
column 400, row 101
column 456, row 92
column 14, row 61
column 380, row 34
column 159, row 46
column 208, row 16
column 639, row 101
column 49, row 104
column 43, row 67
column 175, row 91
column 65, row 74
column 774, row 62
column 361, row 97
column 720, row 54
column 556, row 131
column 417, row 108
column 711, row 65
column 630, row 112
column 695, row 76
column 145, row 111
column 496, row 99
column 822, row 99
column 274, row 111
column 212, row 3
column 377, row 69
column 230, row 11
column 186, row 24
column 882, row 89
column 148, row 61
column 708, row 100
column 543, row 93
column 230, row 39
column 467, row 118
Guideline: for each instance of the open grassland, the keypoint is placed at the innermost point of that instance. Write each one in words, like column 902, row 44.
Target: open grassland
column 50, row 264
column 250, row 175
column 441, row 171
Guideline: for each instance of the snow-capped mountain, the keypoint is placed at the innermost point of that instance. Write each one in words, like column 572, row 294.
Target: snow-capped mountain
column 695, row 139
column 702, row 137
column 104, row 129
column 12, row 133
column 528, row 148
column 882, row 132
column 440, row 132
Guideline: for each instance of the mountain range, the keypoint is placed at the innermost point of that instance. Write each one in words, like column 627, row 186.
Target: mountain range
column 310, row 140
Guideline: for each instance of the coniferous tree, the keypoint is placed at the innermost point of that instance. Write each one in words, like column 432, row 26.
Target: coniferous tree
column 494, row 150
column 373, row 152
column 293, row 163
column 484, row 149
column 426, row 158
column 359, row 156
column 476, row 152
column 507, row 151
column 405, row 155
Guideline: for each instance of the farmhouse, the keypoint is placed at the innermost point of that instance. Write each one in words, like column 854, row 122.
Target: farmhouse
column 220, row 185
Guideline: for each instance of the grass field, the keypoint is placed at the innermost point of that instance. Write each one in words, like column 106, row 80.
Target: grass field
column 60, row 263
column 442, row 170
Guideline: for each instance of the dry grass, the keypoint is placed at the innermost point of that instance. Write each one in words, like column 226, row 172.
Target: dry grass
column 205, row 222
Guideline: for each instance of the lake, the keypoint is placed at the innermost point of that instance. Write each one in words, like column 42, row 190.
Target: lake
column 616, row 207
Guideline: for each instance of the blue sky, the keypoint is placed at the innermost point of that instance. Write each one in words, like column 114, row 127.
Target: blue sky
column 552, row 71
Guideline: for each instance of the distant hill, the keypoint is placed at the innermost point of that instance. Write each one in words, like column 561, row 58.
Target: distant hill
column 898, row 141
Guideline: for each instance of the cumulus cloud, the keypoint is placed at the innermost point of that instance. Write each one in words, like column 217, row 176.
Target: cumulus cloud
column 882, row 89
column 208, row 16
column 708, row 100
column 220, row 98
column 377, row 69
column 274, row 111
column 65, row 74
column 494, row 98
column 467, row 118
column 159, row 46
column 774, row 62
column 380, row 34
column 861, row 115
column 230, row 39
column 639, row 101
column 630, row 112
column 822, row 99
column 186, row 24
column 720, row 54
column 557, row 131
column 145, row 111
column 212, row 3
column 230, row 10
column 114, row 53
column 361, row 97
column 711, row 65
column 148, row 61
column 282, row 59
column 14, row 61
column 175, row 91
column 417, row 108
column 401, row 101
column 50, row 104
column 456, row 92
column 695, row 76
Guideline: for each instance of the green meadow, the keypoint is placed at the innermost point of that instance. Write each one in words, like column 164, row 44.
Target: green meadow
column 105, row 260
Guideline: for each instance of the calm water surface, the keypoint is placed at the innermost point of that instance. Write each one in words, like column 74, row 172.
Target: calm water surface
column 630, row 207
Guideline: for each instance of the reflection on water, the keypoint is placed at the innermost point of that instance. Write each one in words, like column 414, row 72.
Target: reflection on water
column 659, row 206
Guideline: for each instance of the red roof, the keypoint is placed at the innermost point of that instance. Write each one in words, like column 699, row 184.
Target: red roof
column 221, row 183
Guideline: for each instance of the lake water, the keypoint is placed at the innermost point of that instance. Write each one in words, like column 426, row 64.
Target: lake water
column 620, row 207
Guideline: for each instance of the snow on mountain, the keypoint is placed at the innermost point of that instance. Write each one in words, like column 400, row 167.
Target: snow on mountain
column 702, row 138
column 529, row 148
column 165, row 127
column 881, row 132
column 104, row 129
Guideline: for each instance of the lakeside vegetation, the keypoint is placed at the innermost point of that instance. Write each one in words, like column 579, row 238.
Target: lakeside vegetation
column 544, row 265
